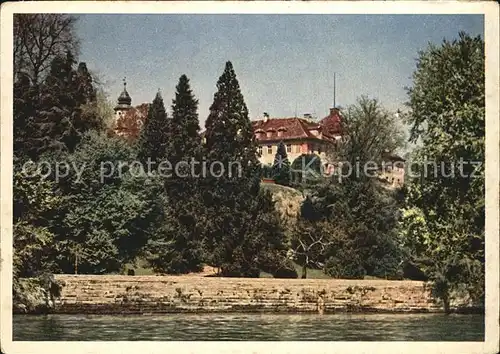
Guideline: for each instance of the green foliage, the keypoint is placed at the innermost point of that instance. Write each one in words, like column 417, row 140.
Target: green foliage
column 349, row 230
column 49, row 117
column 229, row 133
column 33, row 200
column 443, row 219
column 368, row 214
column 281, row 166
column 176, row 246
column 101, row 107
column 107, row 215
column 155, row 135
column 310, row 240
column 370, row 132
column 234, row 240
column 268, row 241
column 35, row 295
column 307, row 169
column 266, row 171
column 24, row 110
column 346, row 265
column 185, row 127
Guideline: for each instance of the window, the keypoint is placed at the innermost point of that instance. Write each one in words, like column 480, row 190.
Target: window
column 298, row 148
column 269, row 149
column 259, row 133
column 289, row 148
column 259, row 149
column 280, row 132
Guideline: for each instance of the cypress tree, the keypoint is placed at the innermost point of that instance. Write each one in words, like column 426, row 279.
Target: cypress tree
column 229, row 132
column 185, row 127
column 232, row 203
column 281, row 166
column 155, row 135
column 177, row 248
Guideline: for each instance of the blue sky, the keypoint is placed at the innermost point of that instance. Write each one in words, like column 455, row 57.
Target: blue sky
column 284, row 63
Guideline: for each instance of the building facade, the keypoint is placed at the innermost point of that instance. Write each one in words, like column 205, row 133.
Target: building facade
column 300, row 136
column 393, row 171
column 129, row 120
column 303, row 135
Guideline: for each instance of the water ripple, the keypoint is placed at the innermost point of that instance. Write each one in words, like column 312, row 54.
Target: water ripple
column 246, row 327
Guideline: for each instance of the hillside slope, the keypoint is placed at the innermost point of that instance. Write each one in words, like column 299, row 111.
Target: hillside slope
column 288, row 201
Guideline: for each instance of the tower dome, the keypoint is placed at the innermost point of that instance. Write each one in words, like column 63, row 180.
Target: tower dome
column 124, row 100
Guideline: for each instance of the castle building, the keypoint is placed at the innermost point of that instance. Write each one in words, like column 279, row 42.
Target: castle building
column 303, row 135
column 308, row 136
column 393, row 173
column 124, row 102
column 128, row 119
column 300, row 136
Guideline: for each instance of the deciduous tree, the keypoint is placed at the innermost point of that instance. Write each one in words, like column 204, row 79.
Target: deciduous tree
column 109, row 211
column 38, row 39
column 443, row 224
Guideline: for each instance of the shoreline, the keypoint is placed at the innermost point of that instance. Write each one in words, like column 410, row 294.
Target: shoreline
column 155, row 295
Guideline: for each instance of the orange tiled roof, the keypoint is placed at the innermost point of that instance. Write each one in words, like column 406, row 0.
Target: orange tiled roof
column 298, row 128
column 130, row 124
column 291, row 128
column 331, row 123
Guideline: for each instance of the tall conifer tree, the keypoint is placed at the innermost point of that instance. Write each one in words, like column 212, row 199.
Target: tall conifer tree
column 229, row 133
column 281, row 166
column 185, row 127
column 232, row 199
column 48, row 117
column 177, row 248
column 155, row 135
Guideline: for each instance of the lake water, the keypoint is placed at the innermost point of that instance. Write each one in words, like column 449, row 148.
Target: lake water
column 259, row 327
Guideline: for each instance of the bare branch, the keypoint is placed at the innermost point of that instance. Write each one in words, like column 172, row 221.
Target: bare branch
column 38, row 38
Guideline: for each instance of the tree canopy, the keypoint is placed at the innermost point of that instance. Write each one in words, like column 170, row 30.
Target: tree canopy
column 281, row 166
column 443, row 225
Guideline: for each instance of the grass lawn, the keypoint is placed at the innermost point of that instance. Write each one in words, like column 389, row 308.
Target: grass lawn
column 142, row 268
column 311, row 273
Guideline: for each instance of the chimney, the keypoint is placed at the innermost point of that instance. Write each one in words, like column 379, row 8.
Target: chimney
column 266, row 117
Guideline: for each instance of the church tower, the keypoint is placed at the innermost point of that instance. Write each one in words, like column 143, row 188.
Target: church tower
column 124, row 102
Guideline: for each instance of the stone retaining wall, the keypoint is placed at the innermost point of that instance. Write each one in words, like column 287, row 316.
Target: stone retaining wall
column 163, row 294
